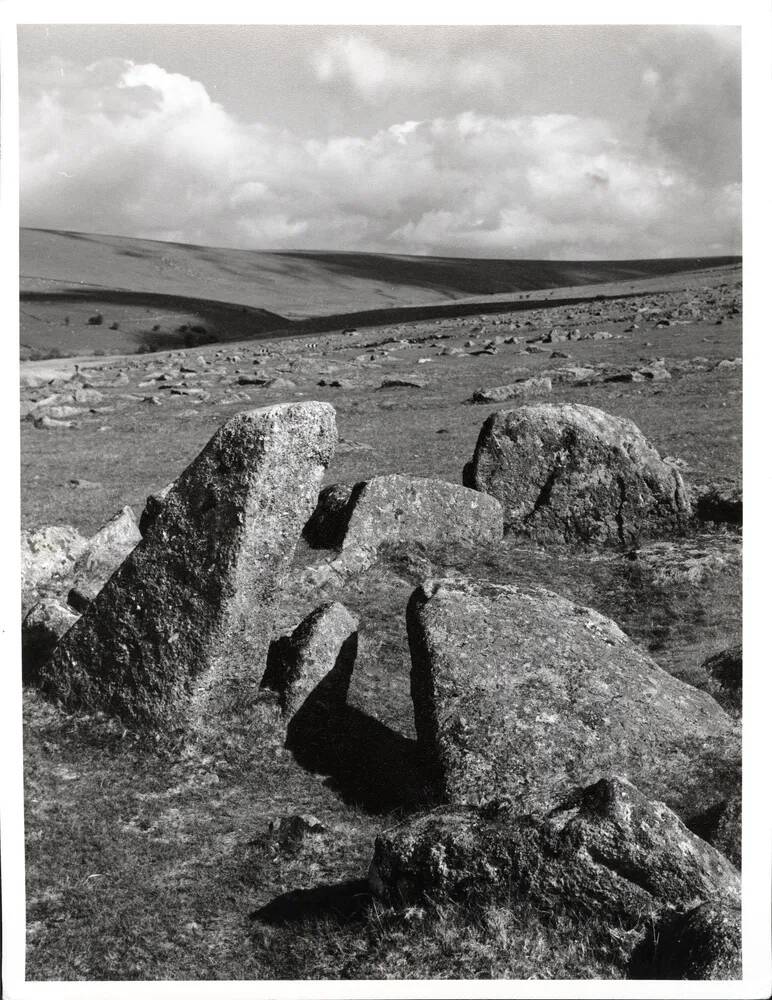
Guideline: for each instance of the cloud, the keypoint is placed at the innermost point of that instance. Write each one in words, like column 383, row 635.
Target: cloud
column 376, row 73
column 132, row 149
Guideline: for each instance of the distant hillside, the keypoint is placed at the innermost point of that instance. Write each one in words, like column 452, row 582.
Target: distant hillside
column 84, row 294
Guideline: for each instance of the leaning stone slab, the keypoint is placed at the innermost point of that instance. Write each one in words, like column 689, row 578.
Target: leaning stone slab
column 565, row 472
column 322, row 648
column 179, row 630
column 607, row 852
column 528, row 695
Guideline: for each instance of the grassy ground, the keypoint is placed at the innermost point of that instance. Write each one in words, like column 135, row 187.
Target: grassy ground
column 148, row 860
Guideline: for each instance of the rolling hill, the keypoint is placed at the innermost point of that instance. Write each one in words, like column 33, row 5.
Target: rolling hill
column 95, row 294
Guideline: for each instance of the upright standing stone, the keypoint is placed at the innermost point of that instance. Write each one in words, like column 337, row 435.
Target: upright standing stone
column 181, row 628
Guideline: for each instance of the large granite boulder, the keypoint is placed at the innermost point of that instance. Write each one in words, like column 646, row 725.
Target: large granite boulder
column 565, row 472
column 606, row 852
column 179, row 630
column 525, row 694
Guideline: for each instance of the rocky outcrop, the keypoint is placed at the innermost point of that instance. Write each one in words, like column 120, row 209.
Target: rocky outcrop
column 177, row 632
column 565, row 472
column 525, row 694
column 606, row 852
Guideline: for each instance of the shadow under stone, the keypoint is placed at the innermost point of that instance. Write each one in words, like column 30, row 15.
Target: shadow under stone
column 343, row 901
column 368, row 764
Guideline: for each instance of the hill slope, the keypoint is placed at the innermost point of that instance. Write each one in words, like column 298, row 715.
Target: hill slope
column 152, row 295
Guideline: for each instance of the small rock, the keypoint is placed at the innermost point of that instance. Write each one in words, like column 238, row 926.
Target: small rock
column 314, row 664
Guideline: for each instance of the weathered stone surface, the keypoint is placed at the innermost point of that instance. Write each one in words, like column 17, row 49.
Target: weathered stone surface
column 726, row 668
column 179, row 629
column 322, row 648
column 42, row 627
column 569, row 471
column 105, row 551
column 405, row 509
column 527, row 695
column 411, row 509
column 49, row 552
column 721, row 826
column 703, row 943
column 605, row 852
column 153, row 507
column 327, row 525
column 516, row 390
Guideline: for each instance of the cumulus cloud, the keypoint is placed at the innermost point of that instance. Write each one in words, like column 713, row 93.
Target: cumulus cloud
column 132, row 149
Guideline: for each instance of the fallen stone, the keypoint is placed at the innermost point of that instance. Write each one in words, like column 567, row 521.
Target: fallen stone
column 405, row 382
column 516, row 390
column 605, row 852
column 48, row 552
column 173, row 637
column 401, row 508
column 525, row 694
column 45, row 423
column 316, row 660
column 104, row 552
column 569, row 471
column 42, row 627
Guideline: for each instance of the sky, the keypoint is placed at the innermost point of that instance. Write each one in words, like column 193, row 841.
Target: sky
column 508, row 141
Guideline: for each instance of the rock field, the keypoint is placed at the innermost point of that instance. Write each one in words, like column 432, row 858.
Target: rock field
column 450, row 610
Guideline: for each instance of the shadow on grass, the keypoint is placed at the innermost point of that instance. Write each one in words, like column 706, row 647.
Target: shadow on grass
column 368, row 764
column 346, row 902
